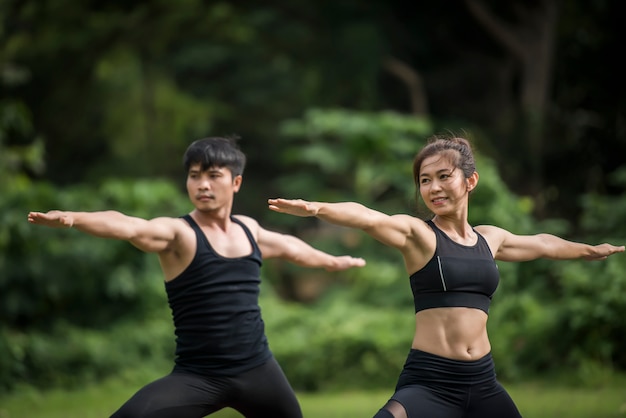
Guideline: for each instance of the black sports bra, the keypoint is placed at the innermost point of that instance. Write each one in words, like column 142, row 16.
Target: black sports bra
column 456, row 276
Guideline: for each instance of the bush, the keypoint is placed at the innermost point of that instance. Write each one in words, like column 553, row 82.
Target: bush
column 335, row 345
column 65, row 293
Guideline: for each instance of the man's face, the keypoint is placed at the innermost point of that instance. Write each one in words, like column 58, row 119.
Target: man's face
column 211, row 189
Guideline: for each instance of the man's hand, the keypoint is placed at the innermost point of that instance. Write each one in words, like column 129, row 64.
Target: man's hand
column 53, row 219
column 602, row 251
column 345, row 262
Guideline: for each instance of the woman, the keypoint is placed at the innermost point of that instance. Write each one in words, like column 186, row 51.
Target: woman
column 449, row 371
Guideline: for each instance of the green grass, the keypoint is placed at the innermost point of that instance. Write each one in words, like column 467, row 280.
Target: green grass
column 535, row 400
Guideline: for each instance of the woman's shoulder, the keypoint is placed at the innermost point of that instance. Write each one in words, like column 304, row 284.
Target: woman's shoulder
column 494, row 235
column 489, row 230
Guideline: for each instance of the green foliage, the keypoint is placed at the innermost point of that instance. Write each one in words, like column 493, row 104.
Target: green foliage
column 120, row 81
column 67, row 355
column 604, row 216
column 21, row 151
column 61, row 287
column 163, row 126
column 334, row 344
column 359, row 155
column 560, row 316
column 493, row 203
column 83, row 265
column 593, row 313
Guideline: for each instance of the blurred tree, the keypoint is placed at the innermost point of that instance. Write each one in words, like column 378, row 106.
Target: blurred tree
column 530, row 41
column 110, row 83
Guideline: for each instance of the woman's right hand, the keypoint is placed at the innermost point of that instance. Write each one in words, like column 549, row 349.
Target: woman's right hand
column 296, row 207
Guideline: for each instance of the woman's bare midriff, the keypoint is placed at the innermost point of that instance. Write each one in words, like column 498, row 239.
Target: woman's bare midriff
column 455, row 333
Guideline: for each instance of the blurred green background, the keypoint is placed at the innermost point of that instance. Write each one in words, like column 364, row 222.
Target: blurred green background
column 99, row 100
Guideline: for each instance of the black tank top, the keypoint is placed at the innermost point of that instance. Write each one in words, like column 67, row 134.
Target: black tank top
column 217, row 318
column 456, row 275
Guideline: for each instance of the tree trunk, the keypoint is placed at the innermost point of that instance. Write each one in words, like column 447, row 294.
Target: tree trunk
column 531, row 41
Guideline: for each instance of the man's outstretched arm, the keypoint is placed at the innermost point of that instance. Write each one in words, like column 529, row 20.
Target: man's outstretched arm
column 295, row 250
column 148, row 235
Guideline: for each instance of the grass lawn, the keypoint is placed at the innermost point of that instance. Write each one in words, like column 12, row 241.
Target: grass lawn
column 535, row 400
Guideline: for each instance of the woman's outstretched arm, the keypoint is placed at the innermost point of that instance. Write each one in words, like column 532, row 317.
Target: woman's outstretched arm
column 391, row 230
column 511, row 247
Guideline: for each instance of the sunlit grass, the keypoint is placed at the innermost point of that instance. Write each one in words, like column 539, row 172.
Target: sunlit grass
column 535, row 400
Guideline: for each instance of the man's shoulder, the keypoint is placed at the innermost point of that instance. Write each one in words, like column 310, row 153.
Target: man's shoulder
column 251, row 223
column 246, row 219
column 170, row 220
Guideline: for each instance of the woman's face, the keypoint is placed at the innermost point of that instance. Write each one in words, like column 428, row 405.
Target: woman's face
column 442, row 185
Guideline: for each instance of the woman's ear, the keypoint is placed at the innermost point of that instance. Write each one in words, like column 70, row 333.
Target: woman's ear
column 472, row 181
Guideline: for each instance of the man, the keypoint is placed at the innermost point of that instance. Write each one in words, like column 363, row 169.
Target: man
column 211, row 261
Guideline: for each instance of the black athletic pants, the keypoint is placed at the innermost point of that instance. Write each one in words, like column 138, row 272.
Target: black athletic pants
column 431, row 386
column 258, row 393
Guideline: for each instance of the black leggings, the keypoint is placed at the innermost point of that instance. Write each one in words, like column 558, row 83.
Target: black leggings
column 431, row 386
column 258, row 393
